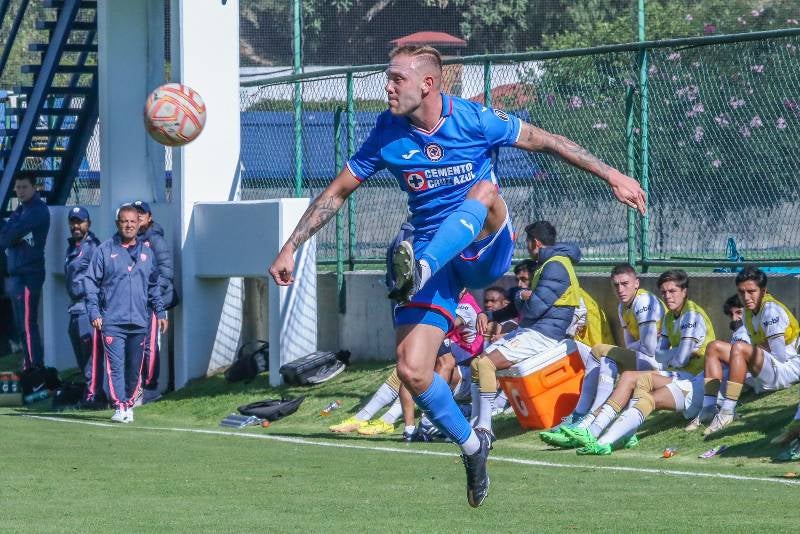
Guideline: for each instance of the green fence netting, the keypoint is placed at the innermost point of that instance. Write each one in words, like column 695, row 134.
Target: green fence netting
column 710, row 127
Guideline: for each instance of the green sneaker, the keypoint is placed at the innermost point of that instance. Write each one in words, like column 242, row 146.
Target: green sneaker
column 558, row 438
column 791, row 454
column 594, row 449
column 631, row 442
column 581, row 435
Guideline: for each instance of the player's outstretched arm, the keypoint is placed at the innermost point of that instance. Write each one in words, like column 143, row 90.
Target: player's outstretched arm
column 625, row 188
column 318, row 213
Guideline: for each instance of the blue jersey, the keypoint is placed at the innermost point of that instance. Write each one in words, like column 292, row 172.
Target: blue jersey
column 436, row 168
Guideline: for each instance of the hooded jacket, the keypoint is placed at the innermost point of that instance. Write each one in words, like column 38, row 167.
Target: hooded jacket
column 540, row 311
column 79, row 254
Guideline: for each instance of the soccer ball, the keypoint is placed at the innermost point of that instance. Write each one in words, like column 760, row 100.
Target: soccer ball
column 174, row 114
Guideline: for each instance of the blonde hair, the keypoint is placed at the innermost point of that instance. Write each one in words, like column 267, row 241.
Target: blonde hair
column 426, row 54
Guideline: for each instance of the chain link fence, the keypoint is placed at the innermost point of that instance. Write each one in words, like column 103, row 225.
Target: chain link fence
column 719, row 145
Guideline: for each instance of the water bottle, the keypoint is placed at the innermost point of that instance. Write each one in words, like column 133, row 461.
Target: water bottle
column 331, row 407
column 36, row 396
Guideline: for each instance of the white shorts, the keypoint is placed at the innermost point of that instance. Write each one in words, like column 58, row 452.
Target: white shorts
column 776, row 375
column 688, row 394
column 521, row 344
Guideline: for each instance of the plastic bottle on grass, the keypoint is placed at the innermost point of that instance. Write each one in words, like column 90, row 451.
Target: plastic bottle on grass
column 331, row 407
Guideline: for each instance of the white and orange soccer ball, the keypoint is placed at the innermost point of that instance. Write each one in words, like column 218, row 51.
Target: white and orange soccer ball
column 174, row 114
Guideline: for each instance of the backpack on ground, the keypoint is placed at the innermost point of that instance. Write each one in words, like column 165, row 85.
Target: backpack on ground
column 271, row 409
column 251, row 358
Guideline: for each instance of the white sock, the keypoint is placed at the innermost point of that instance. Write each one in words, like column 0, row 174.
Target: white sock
column 500, row 400
column 409, row 429
column 485, row 413
column 381, row 398
column 625, row 425
column 587, row 421
column 728, row 405
column 591, row 378
column 393, row 413
column 603, row 419
column 605, row 385
column 472, row 445
column 475, row 393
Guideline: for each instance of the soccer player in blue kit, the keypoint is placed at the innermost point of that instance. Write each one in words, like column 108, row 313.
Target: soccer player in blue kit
column 440, row 147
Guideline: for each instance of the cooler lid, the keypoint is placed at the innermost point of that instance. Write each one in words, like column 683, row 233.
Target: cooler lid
column 540, row 361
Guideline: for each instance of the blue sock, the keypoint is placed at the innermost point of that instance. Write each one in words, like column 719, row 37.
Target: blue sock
column 458, row 230
column 438, row 403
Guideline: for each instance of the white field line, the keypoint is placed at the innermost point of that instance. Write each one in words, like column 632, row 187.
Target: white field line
column 521, row 461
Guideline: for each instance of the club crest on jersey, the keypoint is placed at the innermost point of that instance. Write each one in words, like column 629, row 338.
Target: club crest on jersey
column 434, row 151
column 416, row 181
column 502, row 115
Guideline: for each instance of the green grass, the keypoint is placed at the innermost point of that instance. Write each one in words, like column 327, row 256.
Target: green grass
column 64, row 477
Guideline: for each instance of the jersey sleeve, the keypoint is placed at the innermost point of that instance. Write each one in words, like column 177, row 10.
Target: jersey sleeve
column 774, row 320
column 693, row 326
column 499, row 128
column 368, row 160
column 646, row 309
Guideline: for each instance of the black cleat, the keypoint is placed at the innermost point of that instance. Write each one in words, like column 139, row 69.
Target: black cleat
column 475, row 464
column 406, row 273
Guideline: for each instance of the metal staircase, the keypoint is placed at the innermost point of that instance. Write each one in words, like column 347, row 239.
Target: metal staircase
column 54, row 117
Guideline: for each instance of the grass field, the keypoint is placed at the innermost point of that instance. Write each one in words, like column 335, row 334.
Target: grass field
column 175, row 469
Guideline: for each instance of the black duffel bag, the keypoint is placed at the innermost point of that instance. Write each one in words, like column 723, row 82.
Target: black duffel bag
column 272, row 409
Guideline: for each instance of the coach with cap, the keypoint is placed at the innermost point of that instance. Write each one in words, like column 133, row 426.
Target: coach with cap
column 85, row 339
column 153, row 233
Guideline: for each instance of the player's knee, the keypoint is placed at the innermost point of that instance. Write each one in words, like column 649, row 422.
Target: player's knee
column 741, row 350
column 644, row 385
column 714, row 349
column 412, row 376
column 444, row 365
column 628, row 379
column 484, row 191
column 474, row 368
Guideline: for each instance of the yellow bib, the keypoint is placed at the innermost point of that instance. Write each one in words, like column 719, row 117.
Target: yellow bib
column 571, row 296
column 597, row 329
column 629, row 318
column 756, row 332
column 697, row 361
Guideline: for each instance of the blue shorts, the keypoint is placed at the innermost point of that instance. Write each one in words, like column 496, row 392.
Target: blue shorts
column 478, row 265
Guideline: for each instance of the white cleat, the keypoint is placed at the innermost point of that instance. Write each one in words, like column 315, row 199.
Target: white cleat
column 720, row 421
column 120, row 416
column 705, row 416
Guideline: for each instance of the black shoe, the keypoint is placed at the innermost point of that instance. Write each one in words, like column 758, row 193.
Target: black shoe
column 475, row 464
column 407, row 273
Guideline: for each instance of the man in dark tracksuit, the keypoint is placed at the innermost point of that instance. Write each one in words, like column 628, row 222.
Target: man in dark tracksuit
column 85, row 340
column 23, row 238
column 121, row 293
column 153, row 233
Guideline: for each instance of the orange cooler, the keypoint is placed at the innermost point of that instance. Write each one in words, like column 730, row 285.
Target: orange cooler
column 545, row 388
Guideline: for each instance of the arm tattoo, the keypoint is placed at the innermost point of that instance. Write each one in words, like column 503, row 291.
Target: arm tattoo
column 579, row 156
column 318, row 213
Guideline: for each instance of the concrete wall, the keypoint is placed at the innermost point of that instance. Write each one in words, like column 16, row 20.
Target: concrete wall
column 366, row 328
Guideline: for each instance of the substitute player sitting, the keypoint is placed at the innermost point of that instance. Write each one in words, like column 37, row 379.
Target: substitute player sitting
column 772, row 358
column 640, row 314
column 440, row 148
column 547, row 310
column 686, row 332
